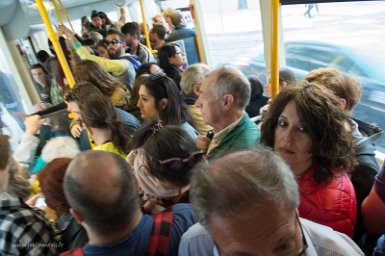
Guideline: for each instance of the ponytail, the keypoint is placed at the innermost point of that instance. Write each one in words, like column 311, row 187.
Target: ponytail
column 120, row 135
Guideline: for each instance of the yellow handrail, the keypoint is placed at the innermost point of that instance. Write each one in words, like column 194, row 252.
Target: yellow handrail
column 145, row 31
column 57, row 11
column 197, row 39
column 55, row 42
column 66, row 15
column 274, row 48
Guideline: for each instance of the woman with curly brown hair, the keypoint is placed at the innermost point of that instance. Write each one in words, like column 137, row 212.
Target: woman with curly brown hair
column 90, row 71
column 305, row 126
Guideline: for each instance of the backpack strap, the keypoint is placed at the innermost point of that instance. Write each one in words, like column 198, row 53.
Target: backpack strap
column 74, row 252
column 160, row 234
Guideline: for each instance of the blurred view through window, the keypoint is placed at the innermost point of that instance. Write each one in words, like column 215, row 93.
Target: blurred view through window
column 233, row 29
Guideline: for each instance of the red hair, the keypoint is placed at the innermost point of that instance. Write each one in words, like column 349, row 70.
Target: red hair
column 51, row 184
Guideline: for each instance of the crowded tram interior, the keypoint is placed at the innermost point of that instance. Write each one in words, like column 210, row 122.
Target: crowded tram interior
column 191, row 127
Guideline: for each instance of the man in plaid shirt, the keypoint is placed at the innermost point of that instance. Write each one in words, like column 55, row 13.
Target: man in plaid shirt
column 23, row 231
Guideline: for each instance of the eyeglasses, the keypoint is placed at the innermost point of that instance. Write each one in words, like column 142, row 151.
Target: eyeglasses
column 113, row 42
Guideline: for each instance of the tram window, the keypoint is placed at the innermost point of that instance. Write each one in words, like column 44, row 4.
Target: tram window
column 348, row 36
column 233, row 29
column 11, row 105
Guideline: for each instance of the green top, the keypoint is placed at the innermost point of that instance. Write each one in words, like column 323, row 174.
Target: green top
column 245, row 135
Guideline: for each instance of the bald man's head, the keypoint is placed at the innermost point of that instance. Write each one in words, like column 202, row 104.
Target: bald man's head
column 101, row 187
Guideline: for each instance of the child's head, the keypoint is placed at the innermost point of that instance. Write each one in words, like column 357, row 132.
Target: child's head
column 171, row 154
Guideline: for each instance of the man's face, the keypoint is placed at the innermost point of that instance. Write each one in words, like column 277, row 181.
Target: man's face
column 38, row 75
column 97, row 22
column 129, row 39
column 114, row 46
column 267, row 231
column 208, row 102
column 152, row 36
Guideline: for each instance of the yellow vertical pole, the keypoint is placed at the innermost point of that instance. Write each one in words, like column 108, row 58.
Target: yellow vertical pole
column 145, row 31
column 55, row 42
column 197, row 39
column 274, row 48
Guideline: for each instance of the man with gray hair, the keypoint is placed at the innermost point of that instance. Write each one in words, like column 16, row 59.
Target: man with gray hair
column 248, row 202
column 190, row 84
column 223, row 98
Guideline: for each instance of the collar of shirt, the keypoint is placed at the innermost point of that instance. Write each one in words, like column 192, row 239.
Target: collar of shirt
column 220, row 135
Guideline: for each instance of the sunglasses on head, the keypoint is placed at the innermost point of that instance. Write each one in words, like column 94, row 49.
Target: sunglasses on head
column 113, row 42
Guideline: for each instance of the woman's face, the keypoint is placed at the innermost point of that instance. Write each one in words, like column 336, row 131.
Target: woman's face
column 291, row 140
column 103, row 52
column 178, row 59
column 147, row 104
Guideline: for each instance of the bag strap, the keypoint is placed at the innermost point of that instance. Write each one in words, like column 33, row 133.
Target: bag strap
column 160, row 233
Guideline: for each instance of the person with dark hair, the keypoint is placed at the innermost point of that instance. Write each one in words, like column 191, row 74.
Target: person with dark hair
column 147, row 68
column 97, row 23
column 160, row 99
column 79, row 94
column 141, row 74
column 117, row 65
column 162, row 160
column 257, row 100
column 305, row 126
column 42, row 56
column 85, row 24
column 102, row 50
column 131, row 33
column 101, row 120
column 113, row 88
column 51, row 184
column 286, row 78
column 181, row 32
column 23, row 230
column 53, row 65
column 102, row 192
column 224, row 95
column 47, row 88
column 247, row 203
column 173, row 62
column 157, row 36
column 105, row 20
